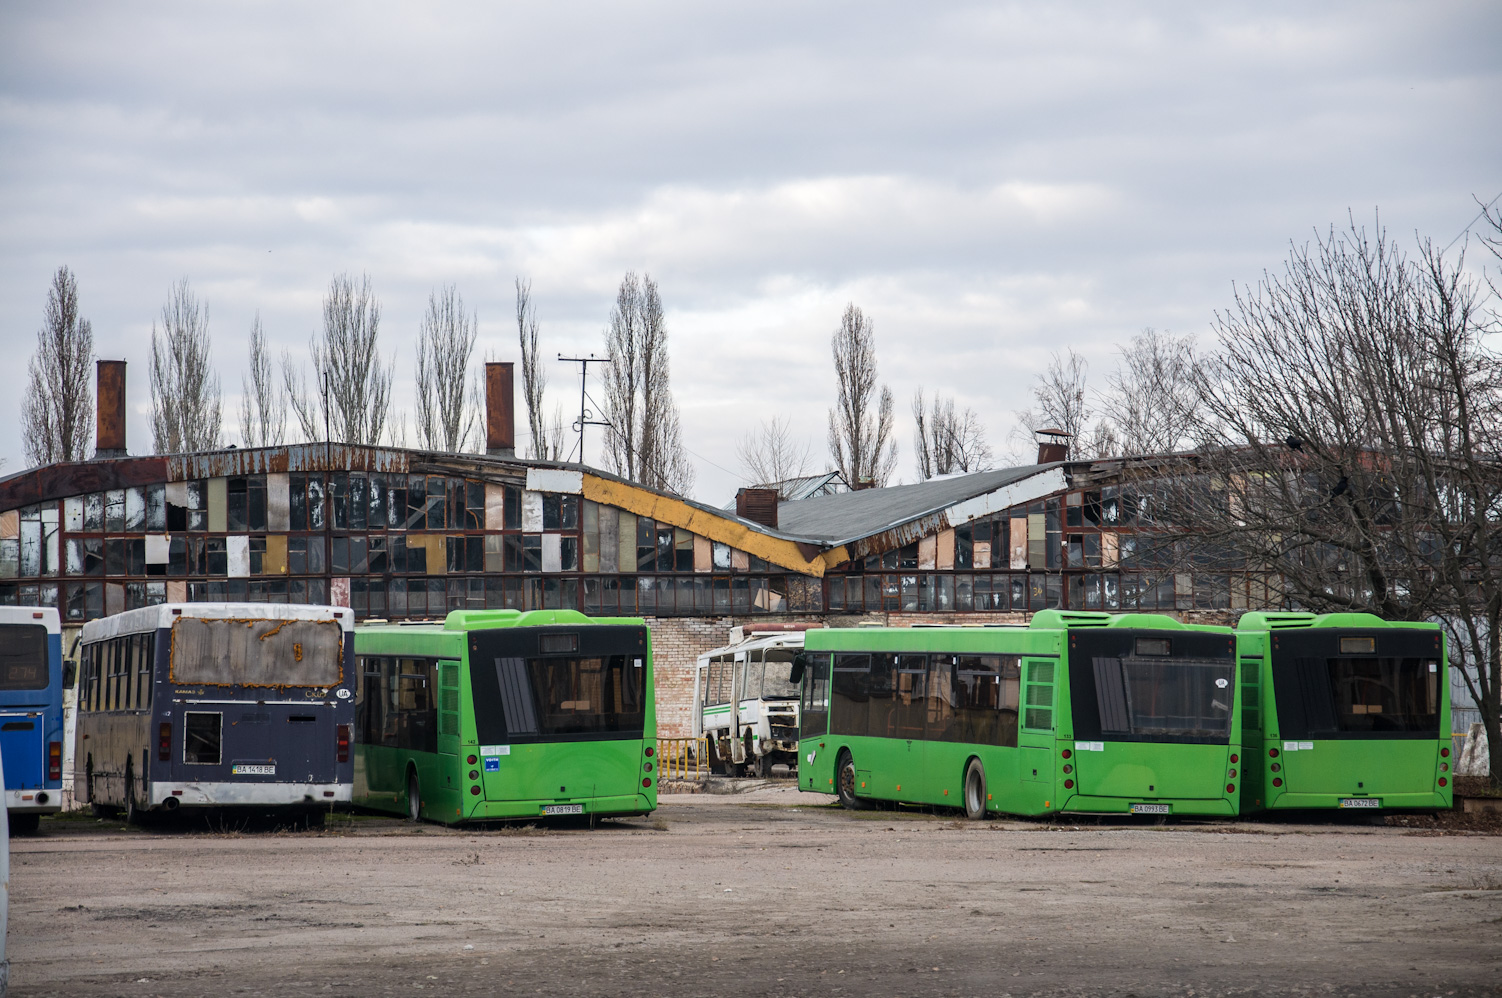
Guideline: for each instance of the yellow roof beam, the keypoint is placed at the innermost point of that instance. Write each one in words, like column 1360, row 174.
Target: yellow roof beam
column 803, row 559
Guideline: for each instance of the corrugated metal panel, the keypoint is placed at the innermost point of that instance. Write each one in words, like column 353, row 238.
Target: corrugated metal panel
column 291, row 457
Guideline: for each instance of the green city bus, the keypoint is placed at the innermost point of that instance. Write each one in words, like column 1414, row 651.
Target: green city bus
column 495, row 714
column 1344, row 710
column 1085, row 712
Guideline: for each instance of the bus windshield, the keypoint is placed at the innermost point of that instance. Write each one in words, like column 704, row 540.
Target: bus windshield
column 1163, row 696
column 23, row 657
column 1384, row 694
column 775, row 684
column 215, row 651
column 546, row 698
column 1149, row 686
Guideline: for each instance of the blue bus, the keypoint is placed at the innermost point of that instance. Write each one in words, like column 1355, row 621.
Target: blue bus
column 31, row 713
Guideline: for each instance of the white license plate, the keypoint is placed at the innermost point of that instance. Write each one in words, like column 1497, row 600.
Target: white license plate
column 1150, row 809
column 563, row 809
column 1360, row 802
column 248, row 769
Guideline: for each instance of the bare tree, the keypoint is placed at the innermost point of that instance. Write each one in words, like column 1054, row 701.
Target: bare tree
column 859, row 439
column 547, row 440
column 263, row 409
column 771, row 456
column 948, row 441
column 1151, row 401
column 644, row 439
column 351, row 396
column 59, row 401
column 1354, row 422
column 1061, row 400
column 185, row 400
column 446, row 388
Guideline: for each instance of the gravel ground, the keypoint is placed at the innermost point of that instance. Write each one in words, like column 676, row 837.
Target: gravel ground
column 764, row 892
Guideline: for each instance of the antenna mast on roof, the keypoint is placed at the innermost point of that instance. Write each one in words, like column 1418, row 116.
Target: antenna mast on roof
column 585, row 416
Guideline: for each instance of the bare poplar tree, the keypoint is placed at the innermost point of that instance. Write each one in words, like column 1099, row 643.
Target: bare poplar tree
column 547, row 439
column 859, row 438
column 946, row 440
column 263, row 409
column 1151, row 400
column 771, row 456
column 1355, row 417
column 644, row 439
column 59, row 401
column 351, row 393
column 446, row 388
column 185, row 400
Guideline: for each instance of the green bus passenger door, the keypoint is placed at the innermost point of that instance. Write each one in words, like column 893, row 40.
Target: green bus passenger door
column 1036, row 740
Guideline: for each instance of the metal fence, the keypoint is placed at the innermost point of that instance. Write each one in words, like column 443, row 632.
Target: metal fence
column 682, row 758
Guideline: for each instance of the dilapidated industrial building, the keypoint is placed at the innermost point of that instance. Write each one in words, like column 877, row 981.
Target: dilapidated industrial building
column 402, row 534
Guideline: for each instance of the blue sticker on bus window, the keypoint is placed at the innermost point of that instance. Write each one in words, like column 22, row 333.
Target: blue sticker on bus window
column 492, row 765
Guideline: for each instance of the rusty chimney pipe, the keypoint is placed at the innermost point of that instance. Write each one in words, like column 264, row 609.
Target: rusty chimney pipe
column 500, row 409
column 109, row 391
column 1053, row 445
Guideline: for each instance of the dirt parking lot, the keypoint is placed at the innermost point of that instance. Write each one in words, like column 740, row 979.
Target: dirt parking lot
column 766, row 892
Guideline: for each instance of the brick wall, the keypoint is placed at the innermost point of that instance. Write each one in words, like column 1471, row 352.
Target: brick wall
column 677, row 643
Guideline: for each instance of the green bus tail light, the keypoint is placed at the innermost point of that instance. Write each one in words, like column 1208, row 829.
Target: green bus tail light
column 475, row 790
column 1277, row 781
column 647, row 782
column 1230, row 788
column 1444, row 782
column 1068, row 784
column 1444, row 753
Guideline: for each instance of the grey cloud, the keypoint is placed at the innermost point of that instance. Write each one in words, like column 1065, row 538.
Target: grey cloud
column 765, row 163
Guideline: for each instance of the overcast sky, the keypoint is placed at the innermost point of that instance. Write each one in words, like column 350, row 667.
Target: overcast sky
column 990, row 183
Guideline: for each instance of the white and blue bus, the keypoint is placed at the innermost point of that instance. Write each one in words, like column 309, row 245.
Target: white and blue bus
column 211, row 705
column 31, row 713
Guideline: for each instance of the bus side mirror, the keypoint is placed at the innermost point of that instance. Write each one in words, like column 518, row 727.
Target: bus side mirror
column 795, row 674
column 70, row 673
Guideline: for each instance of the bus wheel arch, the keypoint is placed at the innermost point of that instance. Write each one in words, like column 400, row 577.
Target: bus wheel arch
column 975, row 796
column 414, row 794
column 845, row 783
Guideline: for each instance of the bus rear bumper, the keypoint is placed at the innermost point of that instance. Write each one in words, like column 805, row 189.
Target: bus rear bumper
column 229, row 794
column 39, row 801
column 1212, row 806
column 1386, row 802
column 626, row 804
